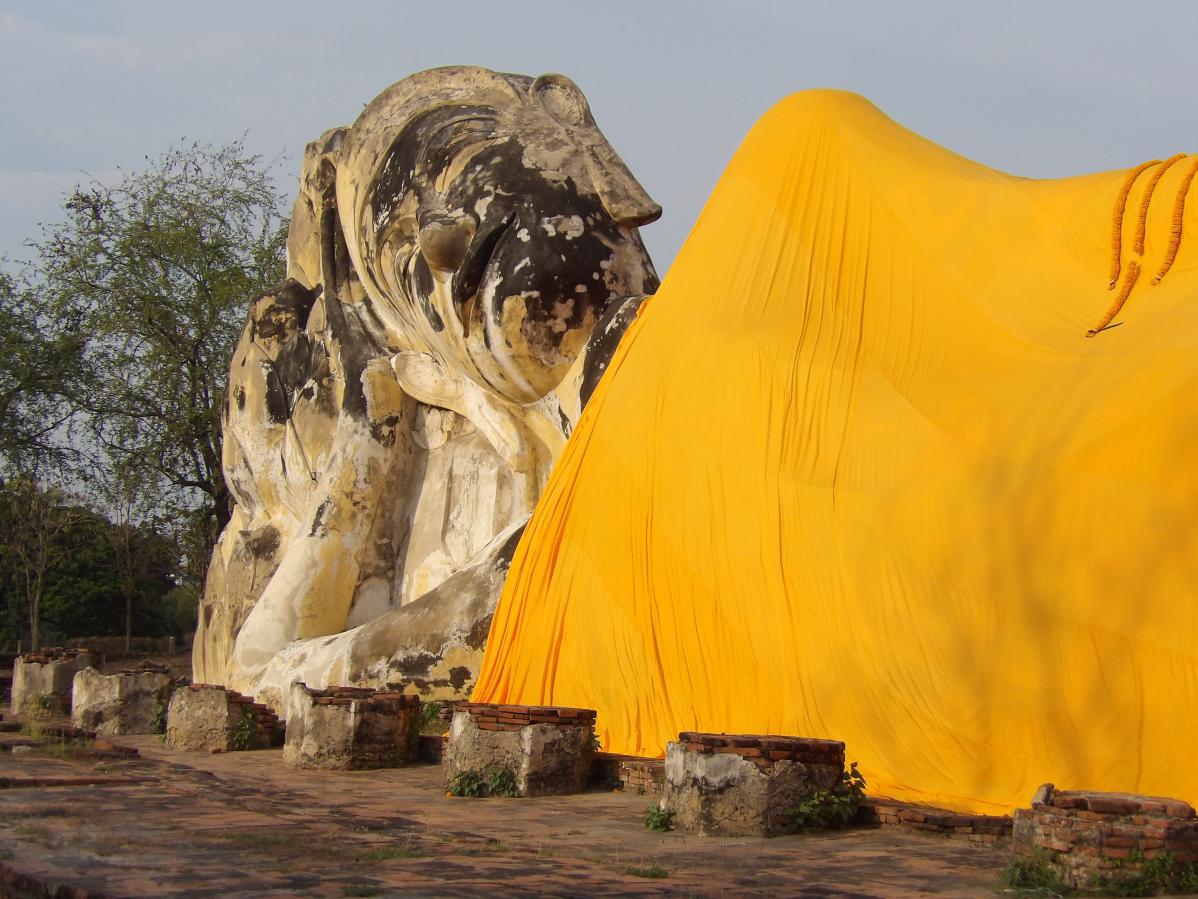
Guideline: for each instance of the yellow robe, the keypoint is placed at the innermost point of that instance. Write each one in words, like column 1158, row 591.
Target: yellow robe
column 858, row 472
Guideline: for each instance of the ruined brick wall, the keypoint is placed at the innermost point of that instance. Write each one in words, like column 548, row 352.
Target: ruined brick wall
column 765, row 750
column 488, row 716
column 1087, row 835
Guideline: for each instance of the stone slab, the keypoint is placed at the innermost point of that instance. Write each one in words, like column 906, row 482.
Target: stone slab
column 132, row 702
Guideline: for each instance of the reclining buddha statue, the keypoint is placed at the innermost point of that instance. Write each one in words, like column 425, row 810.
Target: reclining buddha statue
column 900, row 453
column 461, row 262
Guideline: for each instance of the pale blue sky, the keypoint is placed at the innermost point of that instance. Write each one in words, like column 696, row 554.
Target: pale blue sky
column 1038, row 88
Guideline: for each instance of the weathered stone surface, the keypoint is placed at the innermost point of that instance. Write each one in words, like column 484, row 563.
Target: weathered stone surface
column 206, row 717
column 434, row 644
column 547, row 753
column 1096, row 839
column 350, row 729
column 461, row 263
column 42, row 682
column 131, row 702
column 743, row 785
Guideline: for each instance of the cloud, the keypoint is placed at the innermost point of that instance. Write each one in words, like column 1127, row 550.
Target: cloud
column 21, row 34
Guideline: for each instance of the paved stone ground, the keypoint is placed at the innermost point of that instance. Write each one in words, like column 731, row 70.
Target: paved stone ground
column 173, row 824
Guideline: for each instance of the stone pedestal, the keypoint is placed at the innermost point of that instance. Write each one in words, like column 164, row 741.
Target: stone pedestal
column 133, row 701
column 42, row 681
column 742, row 784
column 350, row 728
column 209, row 717
column 1103, row 839
column 546, row 749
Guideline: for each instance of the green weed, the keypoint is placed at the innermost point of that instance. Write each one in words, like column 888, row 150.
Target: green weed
column 828, row 809
column 658, row 819
column 653, row 870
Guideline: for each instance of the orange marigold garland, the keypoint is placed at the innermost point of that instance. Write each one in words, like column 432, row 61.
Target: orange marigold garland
column 1179, row 211
column 1142, row 223
column 1117, row 219
column 1133, row 272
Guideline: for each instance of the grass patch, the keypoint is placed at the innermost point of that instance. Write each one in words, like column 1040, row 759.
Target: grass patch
column 270, row 841
column 1033, row 875
column 403, row 849
column 1158, row 876
column 651, row 871
column 494, row 781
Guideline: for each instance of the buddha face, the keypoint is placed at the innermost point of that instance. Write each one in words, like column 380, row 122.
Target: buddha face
column 497, row 224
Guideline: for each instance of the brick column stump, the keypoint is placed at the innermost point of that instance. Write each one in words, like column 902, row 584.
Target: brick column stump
column 546, row 749
column 744, row 784
column 42, row 681
column 134, row 701
column 1089, row 837
column 350, row 728
column 209, row 717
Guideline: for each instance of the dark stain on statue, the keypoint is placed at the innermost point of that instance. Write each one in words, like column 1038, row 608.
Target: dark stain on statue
column 416, row 664
column 458, row 676
column 318, row 520
column 264, row 542
column 602, row 346
column 383, row 431
column 477, row 638
column 424, row 289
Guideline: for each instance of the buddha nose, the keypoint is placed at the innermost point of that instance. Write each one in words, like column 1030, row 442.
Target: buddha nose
column 621, row 194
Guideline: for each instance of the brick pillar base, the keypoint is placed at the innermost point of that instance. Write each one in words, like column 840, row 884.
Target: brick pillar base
column 545, row 750
column 744, row 784
column 1100, row 839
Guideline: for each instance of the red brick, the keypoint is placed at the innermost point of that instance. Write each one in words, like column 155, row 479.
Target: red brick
column 1112, row 805
column 1119, row 842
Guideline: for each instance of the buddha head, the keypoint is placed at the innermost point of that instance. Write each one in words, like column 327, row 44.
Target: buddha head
column 490, row 222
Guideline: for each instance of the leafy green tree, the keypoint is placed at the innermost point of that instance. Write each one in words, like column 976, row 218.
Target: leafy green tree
column 87, row 593
column 60, row 577
column 39, row 373
column 156, row 270
column 31, row 521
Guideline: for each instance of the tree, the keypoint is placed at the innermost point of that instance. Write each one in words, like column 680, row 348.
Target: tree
column 39, row 368
column 60, row 576
column 129, row 499
column 32, row 520
column 156, row 270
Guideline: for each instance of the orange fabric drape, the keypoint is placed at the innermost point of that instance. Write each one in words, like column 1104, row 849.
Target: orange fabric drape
column 857, row 471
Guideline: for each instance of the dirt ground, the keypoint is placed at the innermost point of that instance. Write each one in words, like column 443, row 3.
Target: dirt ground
column 239, row 824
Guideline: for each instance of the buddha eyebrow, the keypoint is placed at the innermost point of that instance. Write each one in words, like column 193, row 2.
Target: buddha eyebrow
column 436, row 137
